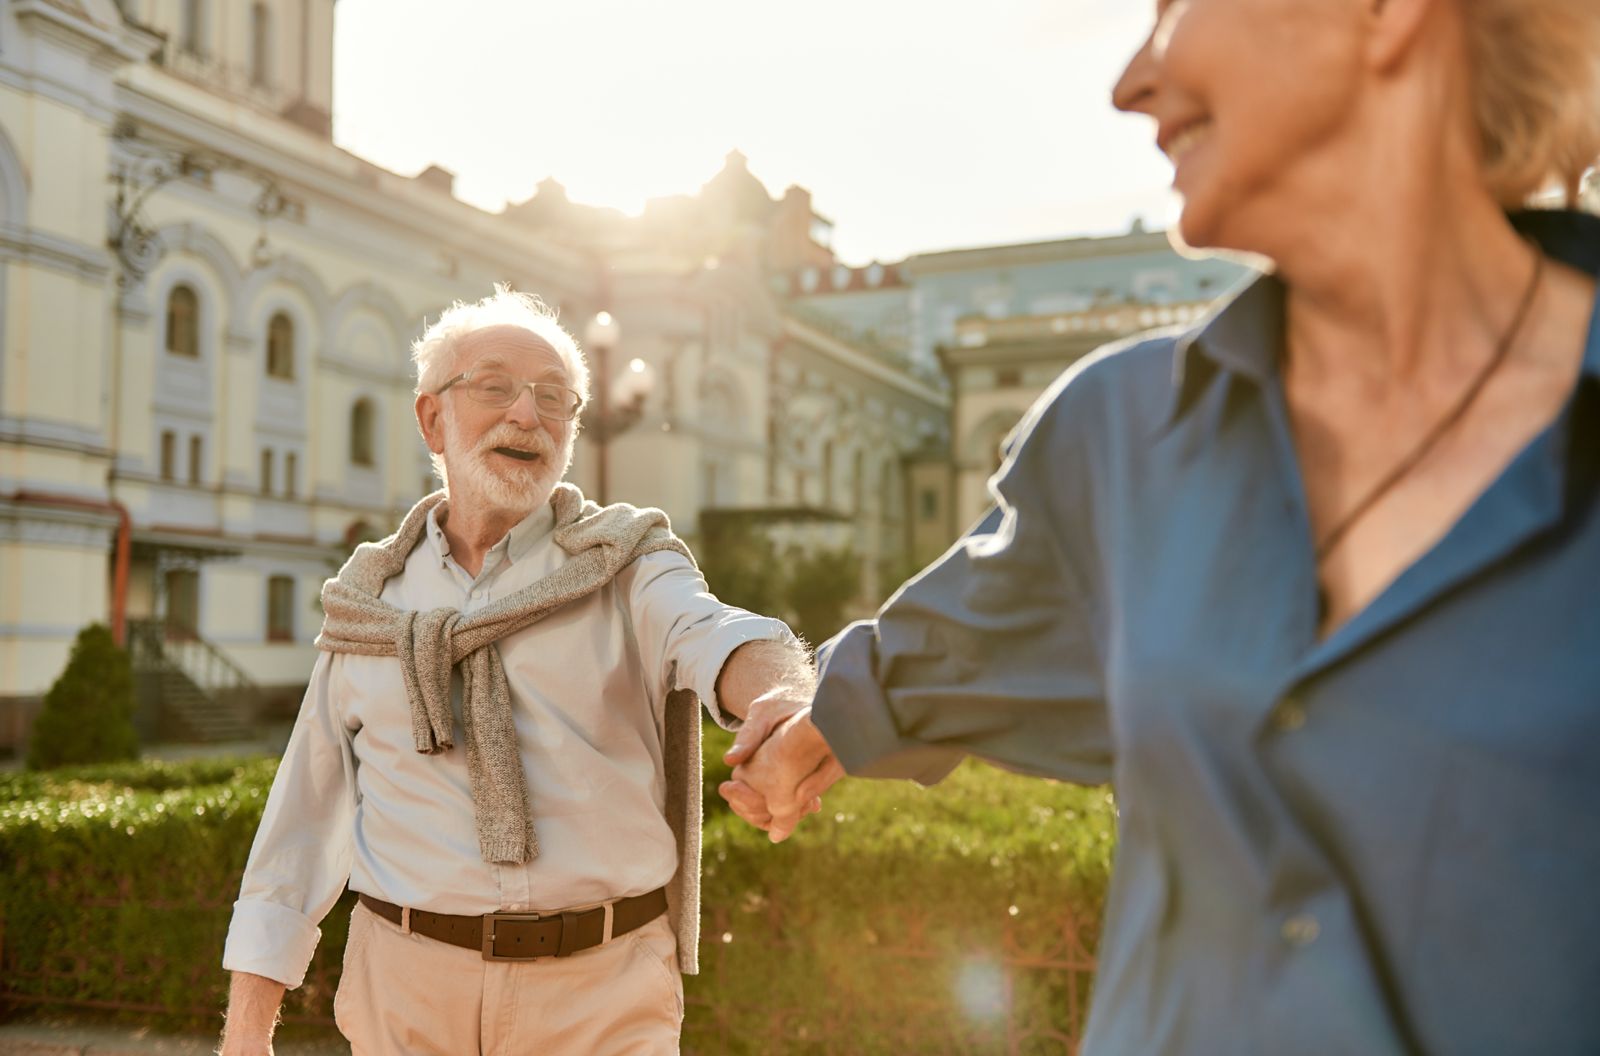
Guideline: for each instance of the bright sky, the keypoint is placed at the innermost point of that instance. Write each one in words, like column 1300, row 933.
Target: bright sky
column 916, row 124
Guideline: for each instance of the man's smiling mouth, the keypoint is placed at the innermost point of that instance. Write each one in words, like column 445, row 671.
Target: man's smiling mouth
column 521, row 456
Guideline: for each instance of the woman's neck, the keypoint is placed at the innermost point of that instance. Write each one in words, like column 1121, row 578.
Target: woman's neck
column 1412, row 289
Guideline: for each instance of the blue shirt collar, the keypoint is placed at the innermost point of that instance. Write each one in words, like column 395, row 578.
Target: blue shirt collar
column 1244, row 333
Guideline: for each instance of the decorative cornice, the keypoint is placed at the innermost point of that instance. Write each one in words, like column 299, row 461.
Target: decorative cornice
column 61, row 436
column 843, row 354
column 39, row 248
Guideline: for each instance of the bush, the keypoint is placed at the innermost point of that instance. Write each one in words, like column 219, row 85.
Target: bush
column 88, row 713
column 900, row 919
column 809, row 589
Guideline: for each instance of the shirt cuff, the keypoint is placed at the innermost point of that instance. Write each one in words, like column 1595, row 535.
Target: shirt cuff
column 271, row 940
column 730, row 635
column 852, row 712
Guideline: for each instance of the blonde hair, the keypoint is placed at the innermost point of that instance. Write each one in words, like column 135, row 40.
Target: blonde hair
column 434, row 351
column 1536, row 93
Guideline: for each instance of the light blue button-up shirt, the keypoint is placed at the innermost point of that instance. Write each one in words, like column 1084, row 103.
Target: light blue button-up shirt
column 1385, row 841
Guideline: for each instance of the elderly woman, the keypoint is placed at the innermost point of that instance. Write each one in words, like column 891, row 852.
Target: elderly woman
column 1317, row 584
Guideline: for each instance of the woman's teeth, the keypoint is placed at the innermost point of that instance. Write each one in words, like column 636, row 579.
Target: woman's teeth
column 1188, row 139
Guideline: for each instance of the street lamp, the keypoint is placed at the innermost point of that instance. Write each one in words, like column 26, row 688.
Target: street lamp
column 618, row 402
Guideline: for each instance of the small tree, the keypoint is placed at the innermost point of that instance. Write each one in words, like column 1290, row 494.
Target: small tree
column 821, row 585
column 88, row 713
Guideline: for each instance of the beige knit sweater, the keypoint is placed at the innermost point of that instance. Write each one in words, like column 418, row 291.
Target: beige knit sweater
column 428, row 645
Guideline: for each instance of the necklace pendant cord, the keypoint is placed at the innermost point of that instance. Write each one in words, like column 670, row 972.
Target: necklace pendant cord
column 1448, row 421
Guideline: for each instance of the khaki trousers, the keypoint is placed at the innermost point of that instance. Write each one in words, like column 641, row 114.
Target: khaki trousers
column 405, row 995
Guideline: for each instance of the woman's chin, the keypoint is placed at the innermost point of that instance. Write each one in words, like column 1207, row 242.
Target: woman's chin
column 1196, row 229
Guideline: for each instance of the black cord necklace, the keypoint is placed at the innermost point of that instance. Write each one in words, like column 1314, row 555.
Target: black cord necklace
column 1406, row 465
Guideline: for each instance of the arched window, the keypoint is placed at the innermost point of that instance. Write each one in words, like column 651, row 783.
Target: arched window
column 260, row 45
column 280, row 347
column 183, row 322
column 192, row 36
column 361, row 433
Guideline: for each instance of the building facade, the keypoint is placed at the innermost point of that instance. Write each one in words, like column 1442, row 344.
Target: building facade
column 205, row 386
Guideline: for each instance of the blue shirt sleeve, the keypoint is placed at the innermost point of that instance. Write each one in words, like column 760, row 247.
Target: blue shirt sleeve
column 990, row 651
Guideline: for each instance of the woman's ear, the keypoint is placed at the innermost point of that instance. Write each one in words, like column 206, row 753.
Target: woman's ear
column 1395, row 26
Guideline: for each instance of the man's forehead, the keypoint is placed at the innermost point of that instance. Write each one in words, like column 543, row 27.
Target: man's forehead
column 516, row 348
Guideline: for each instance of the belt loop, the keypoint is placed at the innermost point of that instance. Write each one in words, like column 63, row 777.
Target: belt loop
column 405, row 920
column 605, row 932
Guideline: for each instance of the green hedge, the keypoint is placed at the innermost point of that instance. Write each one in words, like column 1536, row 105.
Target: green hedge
column 901, row 919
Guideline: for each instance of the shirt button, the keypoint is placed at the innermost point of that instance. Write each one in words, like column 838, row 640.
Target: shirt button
column 1288, row 716
column 1301, row 930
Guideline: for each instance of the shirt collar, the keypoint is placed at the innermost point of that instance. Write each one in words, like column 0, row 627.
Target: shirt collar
column 1244, row 333
column 513, row 547
column 1572, row 238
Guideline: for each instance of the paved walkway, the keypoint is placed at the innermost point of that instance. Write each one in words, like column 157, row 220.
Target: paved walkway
column 56, row 1038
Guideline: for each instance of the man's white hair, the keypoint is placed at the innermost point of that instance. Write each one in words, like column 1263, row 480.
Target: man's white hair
column 434, row 352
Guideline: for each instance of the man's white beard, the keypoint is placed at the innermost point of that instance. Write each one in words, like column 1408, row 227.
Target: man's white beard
column 482, row 478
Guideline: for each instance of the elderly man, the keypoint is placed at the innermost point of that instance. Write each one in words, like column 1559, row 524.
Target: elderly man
column 496, row 750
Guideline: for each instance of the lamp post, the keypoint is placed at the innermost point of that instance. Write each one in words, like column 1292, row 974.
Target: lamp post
column 618, row 402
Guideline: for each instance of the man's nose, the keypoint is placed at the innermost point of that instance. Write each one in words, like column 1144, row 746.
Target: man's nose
column 523, row 413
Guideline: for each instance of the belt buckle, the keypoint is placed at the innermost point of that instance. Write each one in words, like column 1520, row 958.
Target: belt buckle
column 489, row 922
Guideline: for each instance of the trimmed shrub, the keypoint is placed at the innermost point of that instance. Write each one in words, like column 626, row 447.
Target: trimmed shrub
column 899, row 920
column 88, row 713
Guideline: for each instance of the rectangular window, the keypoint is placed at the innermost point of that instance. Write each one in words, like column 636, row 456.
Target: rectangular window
column 169, row 455
column 280, row 609
column 929, row 504
column 192, row 36
column 196, row 449
column 260, row 45
column 182, row 616
column 291, row 467
column 266, row 471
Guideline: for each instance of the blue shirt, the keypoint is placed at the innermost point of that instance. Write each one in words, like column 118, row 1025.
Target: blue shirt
column 1383, row 841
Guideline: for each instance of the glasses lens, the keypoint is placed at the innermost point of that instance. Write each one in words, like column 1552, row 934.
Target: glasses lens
column 493, row 389
column 555, row 401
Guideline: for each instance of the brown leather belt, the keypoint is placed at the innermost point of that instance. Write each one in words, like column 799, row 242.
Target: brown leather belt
column 526, row 936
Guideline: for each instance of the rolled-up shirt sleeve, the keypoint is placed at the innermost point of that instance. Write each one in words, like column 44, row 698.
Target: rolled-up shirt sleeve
column 990, row 651
column 301, row 858
column 685, row 634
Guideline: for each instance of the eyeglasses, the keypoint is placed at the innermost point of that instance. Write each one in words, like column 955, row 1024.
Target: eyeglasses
column 493, row 388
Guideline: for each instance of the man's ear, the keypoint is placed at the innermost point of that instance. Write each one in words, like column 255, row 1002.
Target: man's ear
column 1395, row 26
column 430, row 421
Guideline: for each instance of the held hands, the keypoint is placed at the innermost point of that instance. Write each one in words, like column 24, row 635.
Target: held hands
column 782, row 766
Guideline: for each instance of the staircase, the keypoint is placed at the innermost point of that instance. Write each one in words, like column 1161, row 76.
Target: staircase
column 200, row 694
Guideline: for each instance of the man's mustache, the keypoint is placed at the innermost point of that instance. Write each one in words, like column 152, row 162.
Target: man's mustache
column 536, row 441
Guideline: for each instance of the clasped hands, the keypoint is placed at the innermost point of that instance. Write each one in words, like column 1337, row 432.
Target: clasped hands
column 782, row 765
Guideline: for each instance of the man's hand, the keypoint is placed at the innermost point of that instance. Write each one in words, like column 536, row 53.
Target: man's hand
column 253, row 1002
column 782, row 766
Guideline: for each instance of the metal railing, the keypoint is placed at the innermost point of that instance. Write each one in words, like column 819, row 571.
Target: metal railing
column 157, row 643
